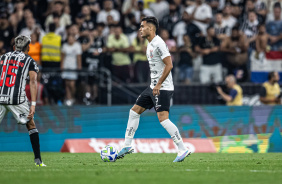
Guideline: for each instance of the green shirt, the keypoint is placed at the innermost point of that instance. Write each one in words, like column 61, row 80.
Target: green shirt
column 119, row 58
column 138, row 47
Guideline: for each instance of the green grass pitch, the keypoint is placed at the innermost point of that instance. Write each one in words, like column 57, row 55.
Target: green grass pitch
column 208, row 168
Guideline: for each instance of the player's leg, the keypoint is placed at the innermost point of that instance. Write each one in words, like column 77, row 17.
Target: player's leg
column 162, row 106
column 143, row 102
column 3, row 112
column 20, row 112
column 34, row 139
column 132, row 124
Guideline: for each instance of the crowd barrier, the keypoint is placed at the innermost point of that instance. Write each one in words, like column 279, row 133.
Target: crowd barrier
column 232, row 129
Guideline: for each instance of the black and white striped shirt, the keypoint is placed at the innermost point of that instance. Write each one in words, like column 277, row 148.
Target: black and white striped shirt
column 14, row 70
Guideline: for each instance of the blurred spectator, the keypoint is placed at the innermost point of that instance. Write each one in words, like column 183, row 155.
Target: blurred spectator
column 2, row 49
column 250, row 28
column 31, row 26
column 180, row 7
column 214, row 4
column 141, row 65
column 275, row 14
column 201, row 14
column 74, row 30
column 79, row 19
column 185, row 64
column 260, row 8
column 42, row 93
column 51, row 49
column 250, row 7
column 94, row 48
column 6, row 32
column 169, row 20
column 274, row 27
column 271, row 5
column 228, row 19
column 35, row 48
column 222, row 31
column 211, row 69
column 270, row 91
column 160, row 8
column 186, row 27
column 89, row 20
column 236, row 54
column 171, row 44
column 71, row 60
column 60, row 30
column 261, row 43
column 118, row 44
column 132, row 28
column 235, row 96
column 108, row 10
column 65, row 19
column 141, row 10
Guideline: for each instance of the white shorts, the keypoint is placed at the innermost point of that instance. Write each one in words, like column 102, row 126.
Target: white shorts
column 20, row 112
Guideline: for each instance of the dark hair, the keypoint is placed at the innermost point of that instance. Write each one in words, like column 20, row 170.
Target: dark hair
column 235, row 28
column 52, row 27
column 210, row 27
column 277, row 5
column 56, row 15
column 270, row 75
column 152, row 20
column 101, row 24
column 59, row 2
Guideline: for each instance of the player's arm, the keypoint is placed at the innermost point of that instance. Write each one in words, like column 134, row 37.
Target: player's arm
column 33, row 92
column 168, row 67
column 226, row 97
column 265, row 100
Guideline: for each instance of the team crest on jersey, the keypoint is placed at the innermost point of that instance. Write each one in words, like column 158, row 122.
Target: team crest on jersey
column 151, row 53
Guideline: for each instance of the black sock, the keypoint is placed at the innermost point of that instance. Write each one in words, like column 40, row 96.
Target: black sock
column 34, row 139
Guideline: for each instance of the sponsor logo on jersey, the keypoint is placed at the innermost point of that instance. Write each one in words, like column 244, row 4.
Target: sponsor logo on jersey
column 4, row 99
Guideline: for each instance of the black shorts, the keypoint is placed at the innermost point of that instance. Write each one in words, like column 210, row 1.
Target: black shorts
column 159, row 102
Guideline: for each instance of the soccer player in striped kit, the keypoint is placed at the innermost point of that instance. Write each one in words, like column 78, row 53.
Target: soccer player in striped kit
column 15, row 67
column 158, row 94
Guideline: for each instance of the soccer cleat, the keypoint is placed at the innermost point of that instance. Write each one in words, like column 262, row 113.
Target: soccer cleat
column 180, row 157
column 124, row 151
column 39, row 163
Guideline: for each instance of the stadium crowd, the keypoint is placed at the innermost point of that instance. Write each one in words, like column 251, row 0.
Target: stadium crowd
column 208, row 39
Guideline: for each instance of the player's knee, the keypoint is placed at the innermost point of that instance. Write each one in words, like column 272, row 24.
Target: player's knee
column 30, row 125
column 137, row 109
column 162, row 116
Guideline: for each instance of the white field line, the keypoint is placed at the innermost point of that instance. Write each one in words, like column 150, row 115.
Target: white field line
column 219, row 170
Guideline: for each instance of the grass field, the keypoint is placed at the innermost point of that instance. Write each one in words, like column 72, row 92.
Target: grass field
column 141, row 168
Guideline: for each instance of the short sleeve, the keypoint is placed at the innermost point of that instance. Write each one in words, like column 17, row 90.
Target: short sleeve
column 233, row 93
column 262, row 92
column 33, row 66
column 162, row 50
column 64, row 48
column 110, row 41
column 126, row 42
column 79, row 49
column 208, row 12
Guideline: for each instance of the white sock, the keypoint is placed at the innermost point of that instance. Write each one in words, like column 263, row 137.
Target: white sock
column 174, row 133
column 132, row 125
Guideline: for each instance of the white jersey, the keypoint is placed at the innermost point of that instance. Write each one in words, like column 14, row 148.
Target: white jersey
column 156, row 51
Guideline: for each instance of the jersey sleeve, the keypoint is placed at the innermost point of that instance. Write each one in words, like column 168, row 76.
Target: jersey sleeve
column 33, row 66
column 233, row 93
column 162, row 50
column 262, row 92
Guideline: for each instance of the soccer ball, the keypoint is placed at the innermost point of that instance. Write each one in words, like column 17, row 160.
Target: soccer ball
column 109, row 154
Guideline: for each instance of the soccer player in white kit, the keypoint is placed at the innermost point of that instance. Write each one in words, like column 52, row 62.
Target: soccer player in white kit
column 158, row 94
